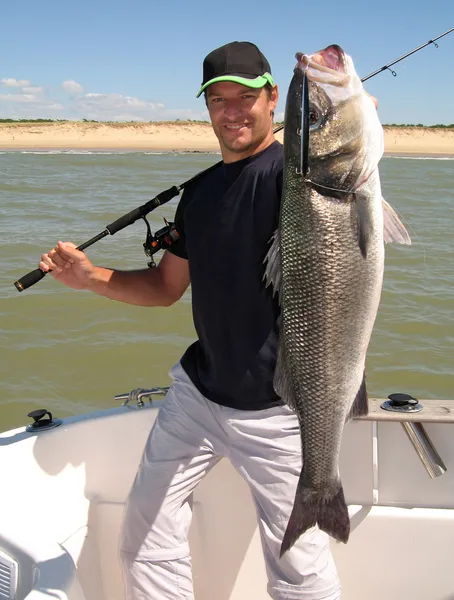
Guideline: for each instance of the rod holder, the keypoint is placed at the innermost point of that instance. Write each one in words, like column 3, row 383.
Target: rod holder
column 404, row 403
column 425, row 449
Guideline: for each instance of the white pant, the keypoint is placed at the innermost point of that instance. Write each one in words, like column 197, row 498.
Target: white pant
column 190, row 435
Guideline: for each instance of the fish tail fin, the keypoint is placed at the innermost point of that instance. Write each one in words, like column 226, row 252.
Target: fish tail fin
column 310, row 508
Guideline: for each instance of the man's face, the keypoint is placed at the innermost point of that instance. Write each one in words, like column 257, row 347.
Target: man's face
column 241, row 118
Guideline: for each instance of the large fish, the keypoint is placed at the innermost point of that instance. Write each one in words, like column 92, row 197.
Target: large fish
column 326, row 262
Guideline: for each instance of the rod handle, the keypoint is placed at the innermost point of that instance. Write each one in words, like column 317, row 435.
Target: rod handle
column 124, row 221
column 30, row 279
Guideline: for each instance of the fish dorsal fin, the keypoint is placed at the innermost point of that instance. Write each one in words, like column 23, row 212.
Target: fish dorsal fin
column 393, row 228
column 273, row 271
column 273, row 276
column 359, row 407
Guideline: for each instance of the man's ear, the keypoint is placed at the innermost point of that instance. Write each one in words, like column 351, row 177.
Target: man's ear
column 274, row 96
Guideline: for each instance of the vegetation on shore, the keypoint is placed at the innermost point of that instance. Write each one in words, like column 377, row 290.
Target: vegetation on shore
column 118, row 123
column 187, row 122
column 439, row 126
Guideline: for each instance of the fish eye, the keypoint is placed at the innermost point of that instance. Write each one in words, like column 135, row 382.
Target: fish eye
column 314, row 117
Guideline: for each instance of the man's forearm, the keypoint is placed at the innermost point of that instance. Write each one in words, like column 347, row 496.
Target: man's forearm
column 142, row 288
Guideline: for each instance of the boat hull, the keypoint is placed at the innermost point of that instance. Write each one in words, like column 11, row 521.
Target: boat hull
column 63, row 495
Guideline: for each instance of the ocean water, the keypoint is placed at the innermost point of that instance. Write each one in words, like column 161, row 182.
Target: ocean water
column 71, row 351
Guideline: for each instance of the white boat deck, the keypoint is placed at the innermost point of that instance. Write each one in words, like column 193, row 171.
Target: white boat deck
column 63, row 494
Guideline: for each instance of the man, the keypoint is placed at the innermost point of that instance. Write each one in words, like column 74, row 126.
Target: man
column 222, row 401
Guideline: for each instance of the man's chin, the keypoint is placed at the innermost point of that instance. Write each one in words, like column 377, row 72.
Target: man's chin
column 239, row 145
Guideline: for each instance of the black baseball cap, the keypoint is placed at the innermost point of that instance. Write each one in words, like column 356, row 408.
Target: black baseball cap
column 240, row 62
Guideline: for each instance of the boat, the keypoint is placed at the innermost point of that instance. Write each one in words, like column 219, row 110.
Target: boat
column 64, row 484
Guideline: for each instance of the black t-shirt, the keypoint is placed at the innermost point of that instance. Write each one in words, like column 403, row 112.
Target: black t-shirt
column 226, row 220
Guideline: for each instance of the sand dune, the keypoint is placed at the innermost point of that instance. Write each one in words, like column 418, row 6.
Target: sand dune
column 184, row 136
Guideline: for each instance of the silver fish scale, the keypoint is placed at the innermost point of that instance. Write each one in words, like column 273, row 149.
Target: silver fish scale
column 327, row 289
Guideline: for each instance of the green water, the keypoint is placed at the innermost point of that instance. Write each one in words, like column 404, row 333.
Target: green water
column 71, row 352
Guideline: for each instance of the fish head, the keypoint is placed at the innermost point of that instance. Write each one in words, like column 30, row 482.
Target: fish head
column 345, row 134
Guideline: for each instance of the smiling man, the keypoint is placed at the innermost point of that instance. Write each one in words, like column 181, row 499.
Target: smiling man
column 241, row 97
column 241, row 118
column 222, row 401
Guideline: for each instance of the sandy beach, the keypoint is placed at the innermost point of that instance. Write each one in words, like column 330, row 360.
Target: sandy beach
column 184, row 136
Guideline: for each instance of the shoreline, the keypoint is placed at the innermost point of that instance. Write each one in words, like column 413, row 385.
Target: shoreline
column 157, row 151
column 138, row 150
column 185, row 137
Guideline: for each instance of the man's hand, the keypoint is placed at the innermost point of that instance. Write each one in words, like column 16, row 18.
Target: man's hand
column 68, row 265
column 160, row 286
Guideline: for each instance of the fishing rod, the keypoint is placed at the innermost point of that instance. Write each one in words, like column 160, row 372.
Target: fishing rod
column 393, row 63
column 405, row 56
column 158, row 242
column 129, row 218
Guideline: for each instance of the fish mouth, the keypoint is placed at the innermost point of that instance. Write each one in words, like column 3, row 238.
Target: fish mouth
column 325, row 66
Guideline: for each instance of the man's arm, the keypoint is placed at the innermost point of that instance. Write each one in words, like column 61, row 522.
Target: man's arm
column 159, row 286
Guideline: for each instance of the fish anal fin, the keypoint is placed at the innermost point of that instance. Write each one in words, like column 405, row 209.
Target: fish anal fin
column 393, row 228
column 359, row 407
column 281, row 382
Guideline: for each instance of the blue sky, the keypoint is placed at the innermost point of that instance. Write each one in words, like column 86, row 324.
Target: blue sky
column 142, row 60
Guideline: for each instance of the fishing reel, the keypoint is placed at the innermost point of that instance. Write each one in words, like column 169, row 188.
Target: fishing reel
column 162, row 239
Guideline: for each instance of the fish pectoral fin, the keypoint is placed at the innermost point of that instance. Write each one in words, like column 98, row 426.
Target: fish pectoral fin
column 393, row 228
column 363, row 222
column 359, row 407
column 273, row 271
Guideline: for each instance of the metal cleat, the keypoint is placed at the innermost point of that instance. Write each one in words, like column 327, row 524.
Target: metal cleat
column 138, row 394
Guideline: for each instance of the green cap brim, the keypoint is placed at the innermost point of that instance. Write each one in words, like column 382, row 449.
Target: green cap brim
column 256, row 83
